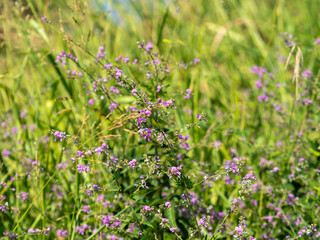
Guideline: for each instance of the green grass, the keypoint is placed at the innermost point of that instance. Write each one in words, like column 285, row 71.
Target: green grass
column 228, row 36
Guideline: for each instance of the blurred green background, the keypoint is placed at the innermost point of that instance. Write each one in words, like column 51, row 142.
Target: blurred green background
column 229, row 37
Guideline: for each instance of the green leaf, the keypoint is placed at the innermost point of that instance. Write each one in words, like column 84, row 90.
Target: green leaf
column 171, row 215
column 40, row 30
column 148, row 224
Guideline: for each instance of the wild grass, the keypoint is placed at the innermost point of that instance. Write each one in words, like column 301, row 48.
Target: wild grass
column 230, row 38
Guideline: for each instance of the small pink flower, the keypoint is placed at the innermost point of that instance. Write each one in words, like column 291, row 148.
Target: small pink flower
column 148, row 46
column 5, row 152
column 239, row 229
column 112, row 107
column 91, row 101
column 134, row 91
column 317, row 41
column 275, row 169
column 132, row 163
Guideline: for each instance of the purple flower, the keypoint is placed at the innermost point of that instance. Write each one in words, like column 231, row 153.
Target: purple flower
column 83, row 168
column 91, row 101
column 217, row 144
column 317, row 41
column 168, row 103
column 203, row 222
column 202, row 117
column 196, row 60
column 114, row 89
column 134, row 91
column 168, row 204
column 4, row 208
column 145, row 133
column 86, row 209
column 5, row 153
column 232, row 166
column 95, row 187
column 249, row 176
column 263, row 98
column 80, row 154
column 174, row 171
column 239, row 229
column 100, row 54
column 82, row 229
column 258, row 84
column 126, row 59
column 258, row 71
column 112, row 107
column 268, row 218
column 23, row 196
column 132, row 163
column 172, row 229
column 255, row 69
column 146, row 210
column 188, row 94
column 23, row 114
column 148, row 46
column 108, row 65
column 103, row 148
column 307, row 101
column 306, row 73
column 34, row 231
column 163, row 221
column 60, row 135
column 183, row 138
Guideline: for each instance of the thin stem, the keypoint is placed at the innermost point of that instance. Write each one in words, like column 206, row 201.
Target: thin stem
column 193, row 213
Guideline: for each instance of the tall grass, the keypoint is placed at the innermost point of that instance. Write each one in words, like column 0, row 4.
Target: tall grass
column 229, row 38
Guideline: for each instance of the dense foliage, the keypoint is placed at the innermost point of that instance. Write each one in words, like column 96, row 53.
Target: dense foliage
column 159, row 120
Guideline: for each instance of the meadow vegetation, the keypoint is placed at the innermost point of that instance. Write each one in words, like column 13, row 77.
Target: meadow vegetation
column 159, row 119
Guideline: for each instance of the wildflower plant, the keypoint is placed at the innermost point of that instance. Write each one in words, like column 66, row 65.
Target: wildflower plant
column 134, row 148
